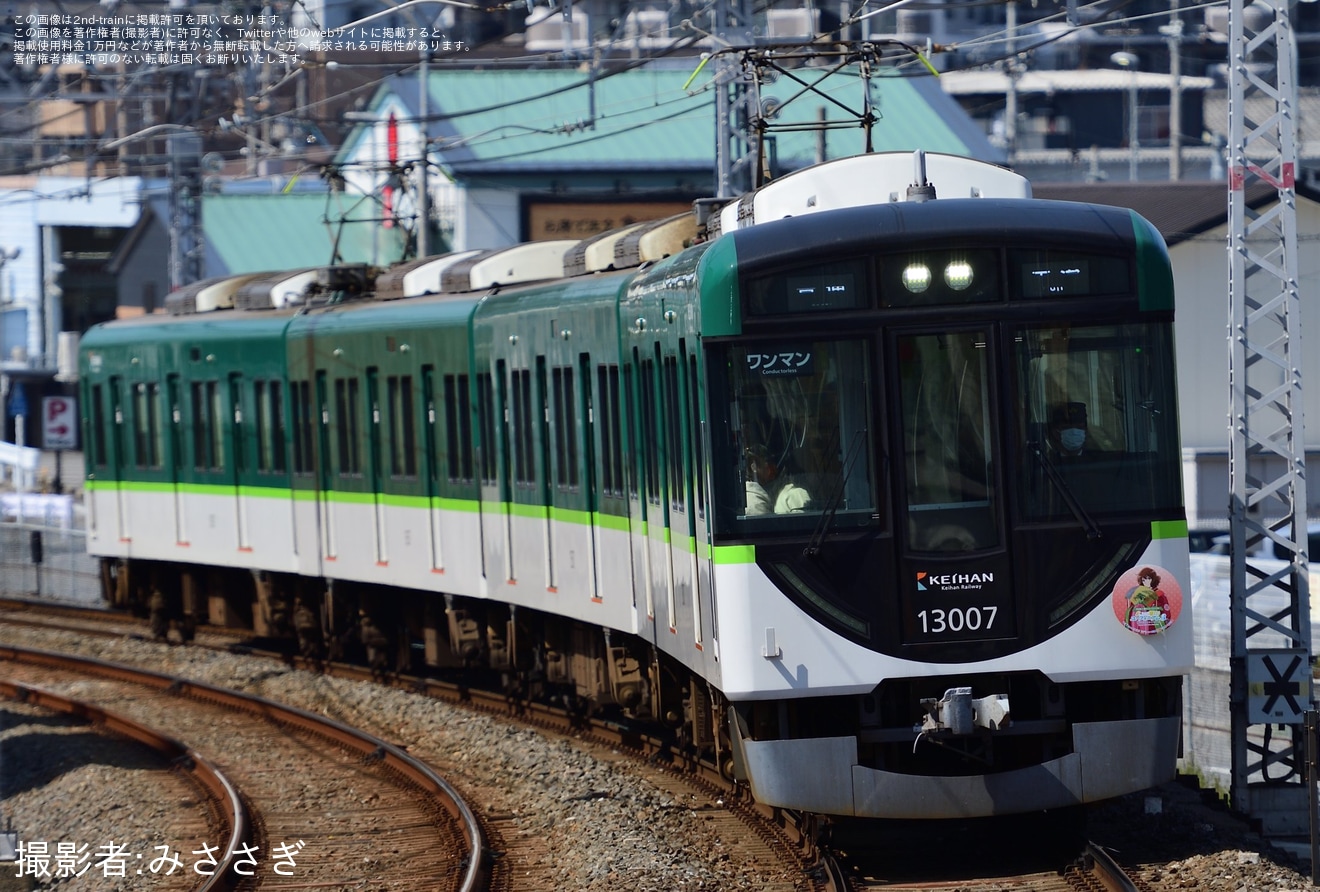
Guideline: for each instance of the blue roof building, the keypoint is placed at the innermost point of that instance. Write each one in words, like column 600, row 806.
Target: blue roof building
column 518, row 154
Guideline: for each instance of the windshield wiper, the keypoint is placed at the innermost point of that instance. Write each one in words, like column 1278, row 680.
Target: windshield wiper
column 1069, row 497
column 836, row 498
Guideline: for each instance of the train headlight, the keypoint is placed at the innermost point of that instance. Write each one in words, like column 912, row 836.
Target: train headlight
column 916, row 277
column 958, row 275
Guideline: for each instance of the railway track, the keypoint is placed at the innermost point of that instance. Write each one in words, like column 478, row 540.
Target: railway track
column 299, row 795
column 752, row 835
column 1094, row 871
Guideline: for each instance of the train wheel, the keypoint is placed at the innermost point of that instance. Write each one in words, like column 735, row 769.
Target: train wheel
column 110, row 582
column 159, row 610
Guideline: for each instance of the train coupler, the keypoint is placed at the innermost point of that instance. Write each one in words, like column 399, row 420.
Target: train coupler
column 959, row 713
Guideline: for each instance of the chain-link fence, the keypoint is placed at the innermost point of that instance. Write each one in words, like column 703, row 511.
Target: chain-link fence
column 47, row 560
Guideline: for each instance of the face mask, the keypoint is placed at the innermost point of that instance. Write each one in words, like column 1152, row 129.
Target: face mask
column 1072, row 438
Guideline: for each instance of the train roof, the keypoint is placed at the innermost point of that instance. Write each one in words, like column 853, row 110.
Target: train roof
column 979, row 221
column 878, row 193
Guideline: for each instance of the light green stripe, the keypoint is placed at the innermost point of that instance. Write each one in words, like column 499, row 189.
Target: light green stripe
column 263, row 492
column 1168, row 529
column 735, row 554
column 421, row 503
column 613, row 522
column 571, row 515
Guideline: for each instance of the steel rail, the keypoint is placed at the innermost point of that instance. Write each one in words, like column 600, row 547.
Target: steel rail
column 205, row 774
column 1106, row 870
column 476, row 874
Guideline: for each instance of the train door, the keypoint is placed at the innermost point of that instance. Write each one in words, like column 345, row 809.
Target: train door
column 700, row 568
column 374, row 467
column 326, row 505
column 487, row 469
column 174, row 393
column 573, row 513
column 638, row 504
column 506, row 469
column 94, row 448
column 674, row 492
column 238, row 451
column 957, row 573
column 659, row 568
column 117, row 457
column 432, row 470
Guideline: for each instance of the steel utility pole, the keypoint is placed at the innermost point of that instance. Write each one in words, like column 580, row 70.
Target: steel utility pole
column 733, row 139
column 1270, row 661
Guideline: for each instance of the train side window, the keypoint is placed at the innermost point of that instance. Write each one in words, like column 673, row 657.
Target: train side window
column 565, row 419
column 524, row 461
column 403, row 428
column 147, row 431
column 611, row 432
column 277, row 432
column 694, row 427
column 458, row 428
column 270, row 426
column 486, row 423
column 650, row 443
column 208, row 445
column 347, row 403
column 630, row 413
column 300, row 397
column 672, row 406
column 140, row 425
column 97, row 439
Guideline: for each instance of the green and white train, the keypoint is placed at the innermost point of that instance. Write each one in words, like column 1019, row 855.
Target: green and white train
column 800, row 483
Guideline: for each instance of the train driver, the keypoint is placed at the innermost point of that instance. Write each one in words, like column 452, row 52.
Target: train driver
column 768, row 490
column 761, row 474
column 1068, row 428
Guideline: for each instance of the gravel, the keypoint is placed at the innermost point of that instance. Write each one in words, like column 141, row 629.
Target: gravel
column 596, row 826
column 600, row 829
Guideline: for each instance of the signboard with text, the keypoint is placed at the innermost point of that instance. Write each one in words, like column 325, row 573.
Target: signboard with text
column 59, row 422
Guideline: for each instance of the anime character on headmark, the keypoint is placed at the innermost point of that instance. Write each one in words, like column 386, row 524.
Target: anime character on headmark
column 1148, row 610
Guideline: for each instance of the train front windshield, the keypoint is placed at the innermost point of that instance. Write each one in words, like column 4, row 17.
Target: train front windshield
column 1091, row 431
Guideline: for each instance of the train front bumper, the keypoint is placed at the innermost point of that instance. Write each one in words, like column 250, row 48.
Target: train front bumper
column 821, row 775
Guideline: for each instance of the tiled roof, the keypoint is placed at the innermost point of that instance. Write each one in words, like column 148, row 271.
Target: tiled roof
column 562, row 120
column 253, row 233
column 1180, row 211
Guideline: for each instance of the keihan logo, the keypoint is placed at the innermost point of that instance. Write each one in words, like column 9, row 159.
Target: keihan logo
column 947, row 581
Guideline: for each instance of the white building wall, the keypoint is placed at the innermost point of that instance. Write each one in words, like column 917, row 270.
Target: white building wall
column 29, row 203
column 487, row 218
column 1200, row 269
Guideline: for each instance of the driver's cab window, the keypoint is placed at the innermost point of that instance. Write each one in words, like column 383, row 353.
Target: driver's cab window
column 1097, row 419
column 800, row 445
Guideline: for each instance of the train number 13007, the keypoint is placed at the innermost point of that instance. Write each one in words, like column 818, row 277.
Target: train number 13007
column 939, row 621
